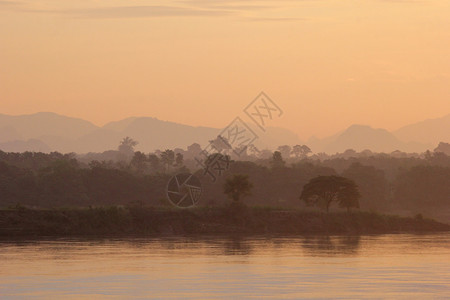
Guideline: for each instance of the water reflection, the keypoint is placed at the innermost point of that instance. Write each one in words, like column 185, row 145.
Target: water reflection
column 233, row 245
column 385, row 266
column 331, row 245
column 236, row 246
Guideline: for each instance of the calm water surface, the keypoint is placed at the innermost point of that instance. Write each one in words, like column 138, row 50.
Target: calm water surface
column 383, row 266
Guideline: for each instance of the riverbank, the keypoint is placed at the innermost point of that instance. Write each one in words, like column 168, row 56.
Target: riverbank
column 208, row 221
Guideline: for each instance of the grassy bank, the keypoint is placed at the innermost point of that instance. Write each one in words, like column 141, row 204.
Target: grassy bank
column 231, row 220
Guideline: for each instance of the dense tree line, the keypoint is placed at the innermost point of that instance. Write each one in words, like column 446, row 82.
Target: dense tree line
column 385, row 182
column 62, row 181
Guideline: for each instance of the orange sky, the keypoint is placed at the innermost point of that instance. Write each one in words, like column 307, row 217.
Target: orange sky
column 327, row 63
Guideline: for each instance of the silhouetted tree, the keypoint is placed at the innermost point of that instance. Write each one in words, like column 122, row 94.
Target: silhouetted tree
column 155, row 163
column 277, row 160
column 126, row 151
column 193, row 150
column 179, row 160
column 420, row 183
column 168, row 158
column 127, row 145
column 443, row 147
column 237, row 186
column 349, row 153
column 423, row 187
column 301, row 151
column 366, row 153
column 265, row 154
column 62, row 184
column 139, row 162
column 285, row 150
column 372, row 184
column 328, row 189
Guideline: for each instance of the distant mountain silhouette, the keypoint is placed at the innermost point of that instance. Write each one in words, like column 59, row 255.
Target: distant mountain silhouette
column 430, row 131
column 361, row 137
column 120, row 125
column 9, row 133
column 151, row 133
column 156, row 134
column 55, row 132
column 46, row 124
column 274, row 137
column 31, row 145
column 52, row 132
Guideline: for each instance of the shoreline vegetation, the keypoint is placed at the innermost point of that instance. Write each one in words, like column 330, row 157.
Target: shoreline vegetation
column 237, row 218
column 396, row 183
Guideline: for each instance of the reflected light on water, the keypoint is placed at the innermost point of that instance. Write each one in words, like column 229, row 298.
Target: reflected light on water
column 384, row 266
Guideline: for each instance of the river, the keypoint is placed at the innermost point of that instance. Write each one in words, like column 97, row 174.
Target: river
column 393, row 266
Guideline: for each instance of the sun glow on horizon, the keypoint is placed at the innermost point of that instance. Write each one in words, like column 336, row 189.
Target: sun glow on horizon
column 328, row 64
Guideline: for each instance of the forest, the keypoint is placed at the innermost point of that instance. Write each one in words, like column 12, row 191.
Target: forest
column 406, row 184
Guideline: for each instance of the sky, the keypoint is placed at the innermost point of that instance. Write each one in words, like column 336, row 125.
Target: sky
column 326, row 63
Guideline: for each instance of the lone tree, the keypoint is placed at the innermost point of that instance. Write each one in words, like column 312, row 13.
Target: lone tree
column 324, row 190
column 126, row 149
column 237, row 186
column 127, row 145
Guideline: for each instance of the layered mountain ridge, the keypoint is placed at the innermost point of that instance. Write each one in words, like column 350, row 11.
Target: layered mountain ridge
column 46, row 131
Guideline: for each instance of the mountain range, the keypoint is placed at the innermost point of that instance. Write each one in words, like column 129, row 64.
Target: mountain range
column 47, row 132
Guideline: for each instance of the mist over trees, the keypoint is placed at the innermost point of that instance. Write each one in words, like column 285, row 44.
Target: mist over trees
column 395, row 182
column 443, row 148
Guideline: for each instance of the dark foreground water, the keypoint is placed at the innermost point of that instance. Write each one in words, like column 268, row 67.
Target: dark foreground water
column 384, row 266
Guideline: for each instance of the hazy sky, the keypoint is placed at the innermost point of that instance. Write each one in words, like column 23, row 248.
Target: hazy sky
column 327, row 64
